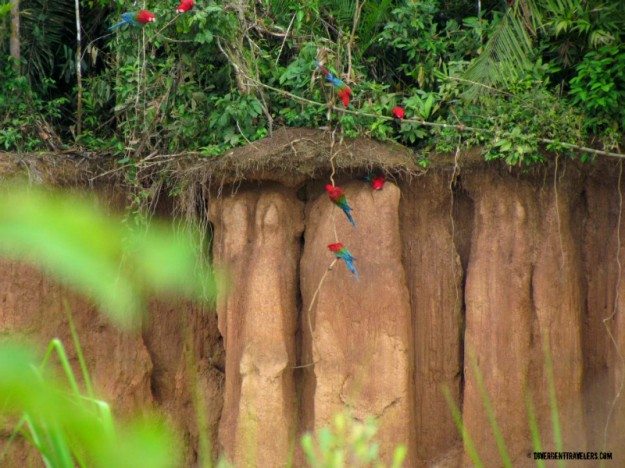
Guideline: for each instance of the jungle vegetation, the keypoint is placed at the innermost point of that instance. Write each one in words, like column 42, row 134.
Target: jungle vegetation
column 515, row 77
column 518, row 78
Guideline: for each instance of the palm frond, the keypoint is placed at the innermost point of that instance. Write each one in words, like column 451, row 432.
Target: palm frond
column 506, row 53
column 46, row 27
column 374, row 16
column 342, row 10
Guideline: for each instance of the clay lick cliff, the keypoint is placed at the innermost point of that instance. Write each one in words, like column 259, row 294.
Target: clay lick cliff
column 468, row 271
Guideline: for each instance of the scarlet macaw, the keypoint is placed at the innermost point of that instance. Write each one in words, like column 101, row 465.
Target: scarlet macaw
column 337, row 195
column 135, row 18
column 185, row 5
column 341, row 252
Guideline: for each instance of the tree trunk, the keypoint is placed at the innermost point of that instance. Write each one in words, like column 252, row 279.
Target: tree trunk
column 15, row 33
column 78, row 71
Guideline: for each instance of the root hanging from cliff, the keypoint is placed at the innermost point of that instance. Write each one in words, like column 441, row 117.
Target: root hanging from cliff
column 610, row 318
column 452, row 182
column 331, row 266
column 459, row 303
column 557, row 202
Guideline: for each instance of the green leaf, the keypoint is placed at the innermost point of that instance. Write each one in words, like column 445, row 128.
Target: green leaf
column 5, row 8
column 97, row 254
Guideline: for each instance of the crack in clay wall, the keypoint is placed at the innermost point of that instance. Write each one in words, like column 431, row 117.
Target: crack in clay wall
column 488, row 266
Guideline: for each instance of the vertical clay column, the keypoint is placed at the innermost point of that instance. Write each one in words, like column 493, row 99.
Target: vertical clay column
column 257, row 240
column 499, row 311
column 604, row 255
column 361, row 329
column 615, row 440
column 434, row 276
column 601, row 271
column 558, row 295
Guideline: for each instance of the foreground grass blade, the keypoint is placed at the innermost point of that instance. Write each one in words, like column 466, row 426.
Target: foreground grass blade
column 86, row 378
column 490, row 413
column 533, row 425
column 469, row 446
column 553, row 399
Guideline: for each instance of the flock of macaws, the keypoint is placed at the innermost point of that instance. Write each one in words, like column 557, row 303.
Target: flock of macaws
column 337, row 194
column 344, row 93
column 143, row 17
column 338, row 197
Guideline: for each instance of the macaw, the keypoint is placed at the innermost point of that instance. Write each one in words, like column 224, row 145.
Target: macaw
column 398, row 112
column 185, row 5
column 343, row 91
column 341, row 252
column 135, row 18
column 337, row 195
column 398, row 115
column 377, row 182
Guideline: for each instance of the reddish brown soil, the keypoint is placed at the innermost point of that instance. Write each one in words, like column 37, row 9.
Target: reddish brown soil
column 452, row 279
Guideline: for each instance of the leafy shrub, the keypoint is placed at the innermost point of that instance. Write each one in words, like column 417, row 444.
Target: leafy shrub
column 599, row 88
column 24, row 114
column 347, row 443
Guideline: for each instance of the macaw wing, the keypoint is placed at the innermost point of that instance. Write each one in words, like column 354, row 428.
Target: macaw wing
column 347, row 255
column 335, row 81
column 129, row 17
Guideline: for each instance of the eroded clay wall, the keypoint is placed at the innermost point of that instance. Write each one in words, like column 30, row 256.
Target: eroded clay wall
column 463, row 279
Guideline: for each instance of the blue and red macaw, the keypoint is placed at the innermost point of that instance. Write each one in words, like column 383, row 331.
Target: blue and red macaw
column 376, row 181
column 337, row 195
column 343, row 91
column 135, row 18
column 341, row 252
column 185, row 5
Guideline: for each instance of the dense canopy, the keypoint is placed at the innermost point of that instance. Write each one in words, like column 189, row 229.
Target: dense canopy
column 515, row 77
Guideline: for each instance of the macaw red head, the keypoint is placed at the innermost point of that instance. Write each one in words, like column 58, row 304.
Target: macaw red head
column 398, row 112
column 185, row 5
column 378, row 182
column 345, row 94
column 334, row 191
column 335, row 247
column 145, row 17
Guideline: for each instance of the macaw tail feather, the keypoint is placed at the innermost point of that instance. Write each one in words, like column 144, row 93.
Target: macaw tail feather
column 117, row 25
column 350, row 266
column 349, row 215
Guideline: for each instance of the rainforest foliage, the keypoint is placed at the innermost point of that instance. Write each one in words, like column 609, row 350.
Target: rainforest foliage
column 515, row 77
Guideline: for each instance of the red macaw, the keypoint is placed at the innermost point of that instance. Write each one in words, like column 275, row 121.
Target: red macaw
column 337, row 195
column 185, row 5
column 343, row 91
column 398, row 112
column 135, row 18
column 341, row 252
column 377, row 181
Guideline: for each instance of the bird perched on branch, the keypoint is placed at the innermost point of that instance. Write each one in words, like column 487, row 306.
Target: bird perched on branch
column 341, row 252
column 398, row 113
column 185, row 5
column 337, row 195
column 343, row 91
column 135, row 18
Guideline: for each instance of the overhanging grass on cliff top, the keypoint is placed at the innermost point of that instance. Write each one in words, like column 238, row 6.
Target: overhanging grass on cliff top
column 290, row 156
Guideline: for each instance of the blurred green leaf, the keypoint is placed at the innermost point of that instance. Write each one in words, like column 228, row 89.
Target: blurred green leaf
column 67, row 427
column 98, row 255
column 4, row 8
